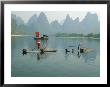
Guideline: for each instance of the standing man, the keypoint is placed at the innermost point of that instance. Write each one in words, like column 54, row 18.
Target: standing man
column 37, row 39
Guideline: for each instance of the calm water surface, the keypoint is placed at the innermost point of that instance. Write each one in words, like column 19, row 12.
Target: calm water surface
column 58, row 64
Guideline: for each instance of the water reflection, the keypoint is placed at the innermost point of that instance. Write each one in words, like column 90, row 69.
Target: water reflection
column 89, row 57
column 38, row 57
column 41, row 56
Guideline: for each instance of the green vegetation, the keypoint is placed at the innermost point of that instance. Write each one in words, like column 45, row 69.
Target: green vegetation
column 77, row 35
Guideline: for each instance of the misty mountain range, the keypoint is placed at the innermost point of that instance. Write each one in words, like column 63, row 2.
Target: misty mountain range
column 89, row 24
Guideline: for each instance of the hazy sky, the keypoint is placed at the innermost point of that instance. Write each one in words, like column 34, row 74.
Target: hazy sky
column 52, row 15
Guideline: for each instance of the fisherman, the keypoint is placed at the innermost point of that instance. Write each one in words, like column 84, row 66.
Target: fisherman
column 78, row 50
column 38, row 44
column 37, row 40
column 42, row 51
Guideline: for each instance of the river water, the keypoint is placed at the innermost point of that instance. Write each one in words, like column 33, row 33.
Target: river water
column 55, row 64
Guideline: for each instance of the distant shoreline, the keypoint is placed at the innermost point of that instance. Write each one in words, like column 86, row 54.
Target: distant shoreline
column 20, row 35
column 56, row 37
column 80, row 37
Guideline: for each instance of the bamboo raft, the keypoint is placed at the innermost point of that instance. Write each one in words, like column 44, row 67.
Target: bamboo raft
column 25, row 51
column 43, row 38
column 85, row 50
